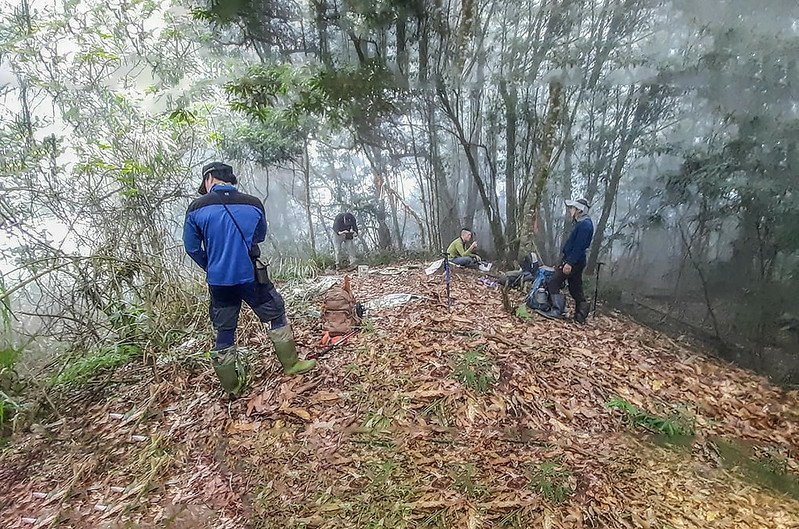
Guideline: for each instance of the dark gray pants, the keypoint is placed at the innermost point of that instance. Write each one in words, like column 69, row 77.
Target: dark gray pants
column 575, row 280
column 225, row 308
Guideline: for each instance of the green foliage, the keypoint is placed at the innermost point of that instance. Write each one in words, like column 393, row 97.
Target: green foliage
column 8, row 357
column 183, row 117
column 323, row 261
column 368, row 327
column 674, row 427
column 128, row 320
column 380, row 474
column 522, row 313
column 8, row 408
column 465, row 480
column 551, row 480
column 475, row 371
column 8, row 384
column 293, row 268
column 84, row 369
column 376, row 429
column 381, row 258
column 283, row 101
column 224, row 11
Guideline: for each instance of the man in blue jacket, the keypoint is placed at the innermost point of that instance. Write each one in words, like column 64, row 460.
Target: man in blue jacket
column 221, row 234
column 573, row 264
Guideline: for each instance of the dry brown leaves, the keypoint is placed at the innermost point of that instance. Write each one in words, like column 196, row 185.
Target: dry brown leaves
column 381, row 435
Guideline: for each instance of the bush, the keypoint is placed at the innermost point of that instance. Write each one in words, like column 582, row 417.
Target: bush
column 87, row 367
column 673, row 427
column 475, row 371
column 551, row 480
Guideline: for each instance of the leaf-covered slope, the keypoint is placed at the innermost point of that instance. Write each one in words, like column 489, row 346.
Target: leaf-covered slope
column 427, row 419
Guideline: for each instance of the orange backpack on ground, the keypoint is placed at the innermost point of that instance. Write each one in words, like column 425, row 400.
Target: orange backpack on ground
column 339, row 310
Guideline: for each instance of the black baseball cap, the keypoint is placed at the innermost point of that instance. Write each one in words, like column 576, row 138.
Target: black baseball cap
column 220, row 171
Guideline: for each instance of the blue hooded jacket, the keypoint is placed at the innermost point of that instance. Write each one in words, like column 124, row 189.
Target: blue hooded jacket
column 579, row 241
column 213, row 241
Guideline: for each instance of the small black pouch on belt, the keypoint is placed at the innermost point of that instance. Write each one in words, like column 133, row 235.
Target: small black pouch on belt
column 261, row 272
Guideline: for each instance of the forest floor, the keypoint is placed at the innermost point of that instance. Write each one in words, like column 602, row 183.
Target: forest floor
column 467, row 419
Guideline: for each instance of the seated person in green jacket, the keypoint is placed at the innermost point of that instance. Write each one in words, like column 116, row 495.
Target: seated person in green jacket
column 462, row 255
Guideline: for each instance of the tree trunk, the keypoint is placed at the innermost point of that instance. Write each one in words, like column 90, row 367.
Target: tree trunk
column 306, row 173
column 320, row 9
column 375, row 158
column 402, row 52
column 392, row 201
column 533, row 201
column 510, row 99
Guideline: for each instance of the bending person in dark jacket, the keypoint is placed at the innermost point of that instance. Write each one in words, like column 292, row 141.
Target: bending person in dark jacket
column 221, row 234
column 573, row 264
column 345, row 229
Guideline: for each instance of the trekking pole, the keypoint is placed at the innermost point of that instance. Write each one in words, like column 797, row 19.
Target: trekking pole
column 596, row 285
column 446, row 280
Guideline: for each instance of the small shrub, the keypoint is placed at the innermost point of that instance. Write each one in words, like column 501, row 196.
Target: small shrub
column 465, row 481
column 675, row 426
column 7, row 409
column 551, row 480
column 523, row 314
column 292, row 268
column 323, row 261
column 475, row 371
column 8, row 357
column 84, row 369
column 129, row 321
column 368, row 327
column 10, row 387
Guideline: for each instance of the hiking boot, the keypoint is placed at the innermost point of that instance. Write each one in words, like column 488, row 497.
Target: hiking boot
column 581, row 312
column 286, row 351
column 558, row 307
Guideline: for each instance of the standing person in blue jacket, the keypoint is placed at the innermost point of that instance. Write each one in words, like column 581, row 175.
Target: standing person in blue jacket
column 573, row 264
column 221, row 234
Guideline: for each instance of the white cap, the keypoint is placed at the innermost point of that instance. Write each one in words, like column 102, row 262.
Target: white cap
column 581, row 204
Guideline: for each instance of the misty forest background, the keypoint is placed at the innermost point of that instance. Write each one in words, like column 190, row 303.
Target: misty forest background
column 678, row 120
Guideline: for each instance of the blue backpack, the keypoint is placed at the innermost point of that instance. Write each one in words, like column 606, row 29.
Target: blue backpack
column 538, row 297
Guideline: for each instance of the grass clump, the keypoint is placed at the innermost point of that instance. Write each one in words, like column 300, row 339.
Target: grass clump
column 84, row 369
column 12, row 391
column 475, row 371
column 368, row 327
column 676, row 427
column 292, row 268
column 466, row 481
column 551, row 480
column 523, row 313
column 376, row 429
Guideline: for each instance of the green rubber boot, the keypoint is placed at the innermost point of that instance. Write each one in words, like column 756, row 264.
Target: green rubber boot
column 286, row 351
column 231, row 370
